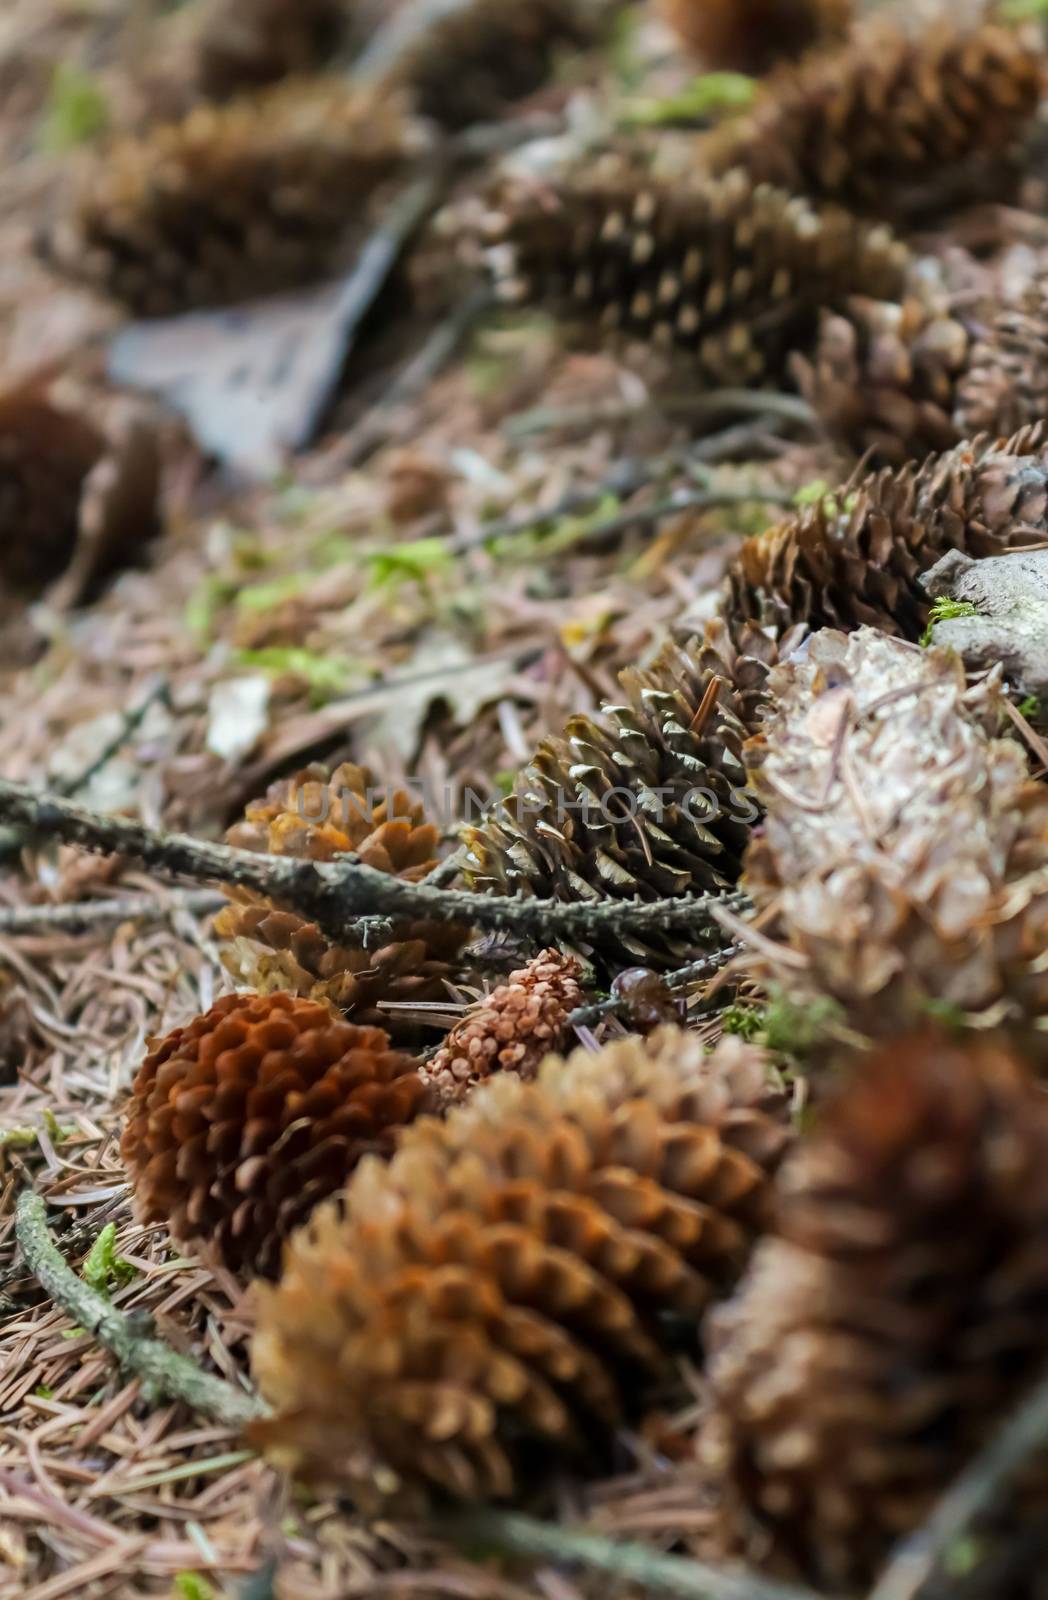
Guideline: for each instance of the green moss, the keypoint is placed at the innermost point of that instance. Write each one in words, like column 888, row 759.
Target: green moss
column 945, row 610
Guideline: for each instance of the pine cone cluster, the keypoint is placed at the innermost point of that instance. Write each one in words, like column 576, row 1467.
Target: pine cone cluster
column 856, row 559
column 512, row 1030
column 494, row 1292
column 241, row 1122
column 232, row 201
column 887, row 113
column 903, row 849
column 731, row 273
column 752, row 35
column 317, row 817
column 648, row 802
column 898, row 1313
column 247, row 44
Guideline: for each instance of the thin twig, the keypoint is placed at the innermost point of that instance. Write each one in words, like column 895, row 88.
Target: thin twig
column 682, row 978
column 507, row 1533
column 346, row 899
column 711, row 403
column 172, row 1375
column 920, row 1557
column 94, row 913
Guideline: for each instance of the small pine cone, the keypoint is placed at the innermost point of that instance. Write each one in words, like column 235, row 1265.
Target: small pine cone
column 903, row 849
column 478, row 56
column 900, row 1312
column 231, row 202
column 247, row 44
column 856, row 559
column 731, row 274
column 240, row 1123
column 1005, row 387
column 649, row 802
column 512, row 1030
column 887, row 113
column 495, row 1292
column 317, row 817
column 752, row 35
column 883, row 378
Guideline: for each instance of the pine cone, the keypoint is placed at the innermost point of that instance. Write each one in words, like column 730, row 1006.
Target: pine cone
column 865, row 123
column 494, row 1292
column 477, row 56
column 247, row 44
column 240, row 1123
column 731, row 273
column 856, row 558
column 752, row 35
column 512, row 1030
column 231, row 202
column 880, row 1338
column 317, row 817
column 903, row 849
column 1005, row 386
column 647, row 803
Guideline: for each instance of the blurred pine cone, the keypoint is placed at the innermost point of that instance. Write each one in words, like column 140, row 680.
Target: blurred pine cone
column 317, row 817
column 247, row 44
column 1005, row 386
column 855, row 558
column 512, row 1029
column 232, row 201
column 647, row 802
column 240, row 1123
column 887, row 113
column 495, row 1292
column 478, row 56
column 752, row 35
column 879, row 1340
column 733, row 274
column 903, row 850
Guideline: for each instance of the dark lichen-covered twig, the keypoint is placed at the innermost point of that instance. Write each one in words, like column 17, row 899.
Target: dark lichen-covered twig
column 172, row 1375
column 506, row 1533
column 683, row 978
column 345, row 898
column 83, row 914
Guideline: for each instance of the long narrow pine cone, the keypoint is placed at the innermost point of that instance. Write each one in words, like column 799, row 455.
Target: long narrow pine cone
column 512, row 1030
column 478, row 56
column 648, row 801
column 898, row 1315
column 752, row 35
column 240, row 1123
column 317, row 816
column 902, row 858
column 855, row 558
column 232, row 201
column 730, row 273
column 887, row 114
column 494, row 1294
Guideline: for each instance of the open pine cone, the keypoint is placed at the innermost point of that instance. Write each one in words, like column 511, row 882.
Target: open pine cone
column 731, row 273
column 317, row 817
column 494, row 1292
column 232, row 201
column 246, row 44
column 752, row 35
column 241, row 1122
column 887, row 113
column 899, row 1313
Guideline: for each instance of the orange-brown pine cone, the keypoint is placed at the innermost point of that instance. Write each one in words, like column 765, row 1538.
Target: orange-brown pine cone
column 752, row 35
column 886, row 114
column 494, row 1293
column 240, row 1123
column 317, row 817
column 512, row 1030
column 902, row 1309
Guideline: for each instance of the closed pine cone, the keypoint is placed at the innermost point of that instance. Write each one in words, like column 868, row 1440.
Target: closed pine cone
column 317, row 817
column 512, row 1030
column 881, row 1337
column 731, row 274
column 241, row 1122
column 232, row 201
column 646, row 802
column 1005, row 385
column 494, row 1292
column 903, row 849
column 752, row 35
column 855, row 559
column 885, row 112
